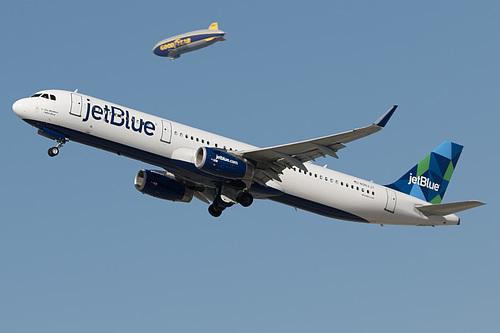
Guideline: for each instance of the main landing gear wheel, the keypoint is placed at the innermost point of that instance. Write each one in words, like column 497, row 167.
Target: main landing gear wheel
column 53, row 151
column 215, row 210
column 245, row 199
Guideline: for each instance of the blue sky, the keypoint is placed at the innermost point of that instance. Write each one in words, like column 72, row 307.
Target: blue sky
column 81, row 250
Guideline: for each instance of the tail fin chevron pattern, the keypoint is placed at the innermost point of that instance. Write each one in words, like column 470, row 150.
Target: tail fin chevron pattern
column 429, row 179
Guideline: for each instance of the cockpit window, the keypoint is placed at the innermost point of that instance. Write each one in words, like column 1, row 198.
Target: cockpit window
column 44, row 95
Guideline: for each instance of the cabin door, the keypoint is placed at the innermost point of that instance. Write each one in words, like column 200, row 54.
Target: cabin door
column 390, row 205
column 166, row 132
column 76, row 105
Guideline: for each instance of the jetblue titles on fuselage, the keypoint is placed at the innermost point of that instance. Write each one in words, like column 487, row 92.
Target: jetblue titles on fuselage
column 115, row 116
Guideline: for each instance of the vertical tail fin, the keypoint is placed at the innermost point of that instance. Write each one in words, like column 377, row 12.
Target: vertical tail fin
column 429, row 179
column 214, row 26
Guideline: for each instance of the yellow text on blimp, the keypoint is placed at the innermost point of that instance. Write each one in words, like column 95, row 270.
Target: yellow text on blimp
column 176, row 43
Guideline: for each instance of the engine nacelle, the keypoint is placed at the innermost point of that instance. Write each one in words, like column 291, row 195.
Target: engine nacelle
column 222, row 164
column 159, row 185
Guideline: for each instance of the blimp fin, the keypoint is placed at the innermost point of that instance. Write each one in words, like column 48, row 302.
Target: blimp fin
column 214, row 26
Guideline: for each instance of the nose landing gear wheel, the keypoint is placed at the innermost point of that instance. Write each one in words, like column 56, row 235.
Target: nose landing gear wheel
column 53, row 151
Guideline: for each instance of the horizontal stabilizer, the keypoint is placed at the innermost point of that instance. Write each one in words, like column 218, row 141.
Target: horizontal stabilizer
column 449, row 208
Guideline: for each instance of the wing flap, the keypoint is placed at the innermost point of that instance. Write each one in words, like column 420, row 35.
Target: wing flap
column 449, row 208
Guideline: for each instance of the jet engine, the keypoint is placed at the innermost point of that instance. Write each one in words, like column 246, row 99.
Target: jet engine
column 159, row 185
column 222, row 164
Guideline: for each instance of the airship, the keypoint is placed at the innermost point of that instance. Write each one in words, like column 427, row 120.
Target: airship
column 174, row 46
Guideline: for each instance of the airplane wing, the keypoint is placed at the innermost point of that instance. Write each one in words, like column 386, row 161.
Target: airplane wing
column 272, row 160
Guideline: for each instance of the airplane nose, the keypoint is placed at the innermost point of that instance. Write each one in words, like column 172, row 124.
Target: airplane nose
column 19, row 108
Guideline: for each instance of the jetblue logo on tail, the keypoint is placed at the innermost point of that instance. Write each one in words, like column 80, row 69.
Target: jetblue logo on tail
column 429, row 179
column 423, row 182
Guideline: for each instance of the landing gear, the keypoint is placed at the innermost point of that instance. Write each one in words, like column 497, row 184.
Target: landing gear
column 215, row 210
column 54, row 151
column 221, row 202
column 245, row 199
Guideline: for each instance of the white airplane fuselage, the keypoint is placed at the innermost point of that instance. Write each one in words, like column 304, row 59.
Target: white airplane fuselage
column 173, row 146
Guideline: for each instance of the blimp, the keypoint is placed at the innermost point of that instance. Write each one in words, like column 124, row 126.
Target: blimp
column 174, row 46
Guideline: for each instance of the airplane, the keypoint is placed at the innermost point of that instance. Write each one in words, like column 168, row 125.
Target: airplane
column 223, row 172
column 174, row 46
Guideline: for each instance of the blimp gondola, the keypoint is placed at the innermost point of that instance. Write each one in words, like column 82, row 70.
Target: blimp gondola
column 174, row 46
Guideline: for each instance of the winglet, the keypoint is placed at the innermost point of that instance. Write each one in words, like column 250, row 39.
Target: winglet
column 214, row 26
column 382, row 121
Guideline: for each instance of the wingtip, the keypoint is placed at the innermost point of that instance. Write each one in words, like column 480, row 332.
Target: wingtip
column 382, row 121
